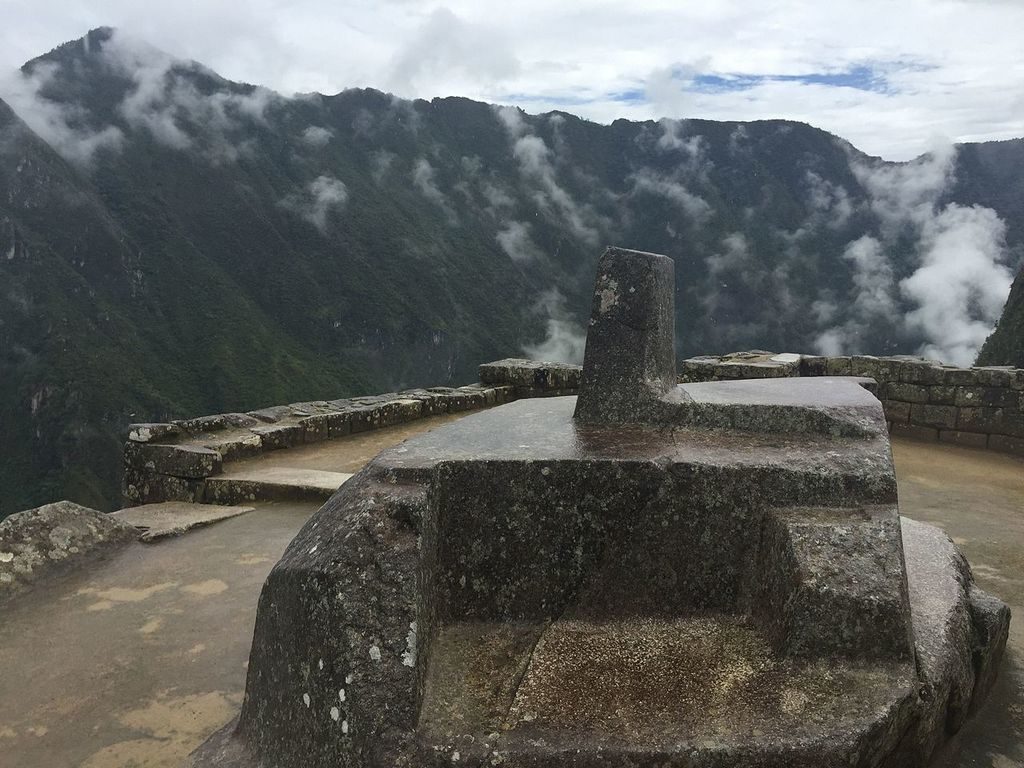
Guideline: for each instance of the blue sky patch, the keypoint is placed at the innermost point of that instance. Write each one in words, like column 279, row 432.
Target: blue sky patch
column 863, row 78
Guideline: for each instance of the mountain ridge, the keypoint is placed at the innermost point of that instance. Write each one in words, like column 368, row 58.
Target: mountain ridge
column 236, row 248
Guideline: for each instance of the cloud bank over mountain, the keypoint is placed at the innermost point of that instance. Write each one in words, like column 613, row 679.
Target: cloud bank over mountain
column 961, row 275
column 951, row 68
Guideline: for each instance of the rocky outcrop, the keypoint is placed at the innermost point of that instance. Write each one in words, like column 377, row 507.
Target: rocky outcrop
column 52, row 539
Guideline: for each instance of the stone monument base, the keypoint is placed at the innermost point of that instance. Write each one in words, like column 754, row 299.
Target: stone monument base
column 519, row 589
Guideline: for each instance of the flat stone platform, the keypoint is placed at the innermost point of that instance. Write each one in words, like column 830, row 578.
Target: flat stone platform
column 141, row 674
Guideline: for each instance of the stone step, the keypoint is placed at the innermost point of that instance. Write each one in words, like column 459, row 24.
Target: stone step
column 273, row 484
column 173, row 518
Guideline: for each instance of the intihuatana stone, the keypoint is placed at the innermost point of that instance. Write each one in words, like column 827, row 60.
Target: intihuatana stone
column 630, row 361
column 708, row 575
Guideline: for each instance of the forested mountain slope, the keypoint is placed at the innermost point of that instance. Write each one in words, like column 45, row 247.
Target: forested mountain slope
column 172, row 243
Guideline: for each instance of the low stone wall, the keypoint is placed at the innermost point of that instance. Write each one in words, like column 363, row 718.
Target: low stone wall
column 171, row 461
column 979, row 407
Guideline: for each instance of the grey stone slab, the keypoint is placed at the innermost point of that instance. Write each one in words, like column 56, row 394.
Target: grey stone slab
column 145, row 433
column 273, row 483
column 173, row 518
column 531, row 373
column 187, row 461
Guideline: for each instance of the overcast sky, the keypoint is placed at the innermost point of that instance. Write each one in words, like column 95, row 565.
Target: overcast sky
column 890, row 76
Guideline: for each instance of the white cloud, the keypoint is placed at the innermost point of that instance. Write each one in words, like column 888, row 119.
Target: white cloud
column 831, row 201
column 565, row 340
column 317, row 136
column 448, row 47
column 320, row 198
column 873, row 298
column 423, row 176
column 694, row 206
column 517, row 243
column 62, row 126
column 160, row 100
column 537, row 169
column 962, row 283
column 959, row 279
column 953, row 67
column 165, row 102
column 380, row 163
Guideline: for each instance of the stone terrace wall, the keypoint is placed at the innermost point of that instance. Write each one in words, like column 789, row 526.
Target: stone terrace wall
column 171, row 461
column 978, row 407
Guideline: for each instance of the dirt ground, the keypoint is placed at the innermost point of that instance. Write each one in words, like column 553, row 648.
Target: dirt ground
column 135, row 661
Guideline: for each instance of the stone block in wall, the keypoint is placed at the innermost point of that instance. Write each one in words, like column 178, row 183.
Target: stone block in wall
column 278, row 436
column 473, row 397
column 697, row 369
column 431, row 404
column 153, row 432
column 174, row 460
column 272, row 414
column 504, row 393
column 968, row 439
column 939, row 416
column 384, row 414
column 409, row 409
column 760, row 369
column 339, row 424
column 994, row 375
column 315, row 429
column 311, row 407
column 454, row 400
column 837, row 366
column 880, row 369
column 896, row 411
column 998, row 421
column 813, row 365
column 235, row 445
column 987, row 397
column 217, row 422
column 142, row 487
column 1006, row 444
column 483, row 394
column 919, row 372
column 1017, row 379
column 909, row 393
column 960, row 377
column 531, row 373
column 942, row 395
column 915, row 431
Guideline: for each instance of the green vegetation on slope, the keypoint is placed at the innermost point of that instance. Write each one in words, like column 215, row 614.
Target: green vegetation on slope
column 233, row 249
